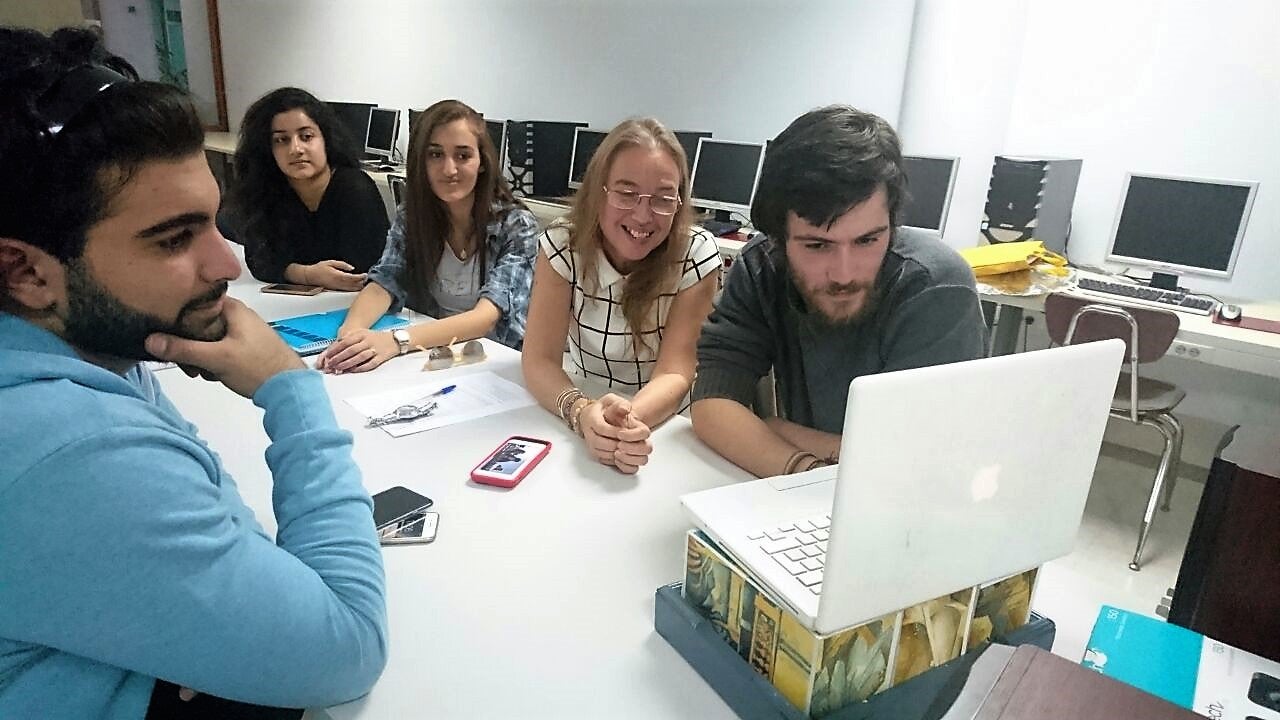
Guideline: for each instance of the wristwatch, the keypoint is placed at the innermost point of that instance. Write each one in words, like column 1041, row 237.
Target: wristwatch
column 402, row 339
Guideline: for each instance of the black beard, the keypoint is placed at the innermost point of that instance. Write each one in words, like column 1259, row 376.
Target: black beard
column 99, row 323
column 868, row 308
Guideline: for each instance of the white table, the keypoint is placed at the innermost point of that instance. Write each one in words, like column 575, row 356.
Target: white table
column 532, row 602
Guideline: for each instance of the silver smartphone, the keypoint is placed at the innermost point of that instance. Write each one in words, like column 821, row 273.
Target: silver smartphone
column 418, row 527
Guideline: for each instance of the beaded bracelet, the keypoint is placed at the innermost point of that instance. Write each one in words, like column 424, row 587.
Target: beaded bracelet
column 575, row 417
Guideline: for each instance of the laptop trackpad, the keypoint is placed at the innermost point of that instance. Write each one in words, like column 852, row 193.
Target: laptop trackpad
column 790, row 482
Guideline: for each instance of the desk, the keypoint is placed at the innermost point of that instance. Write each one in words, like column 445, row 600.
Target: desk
column 532, row 602
column 1199, row 338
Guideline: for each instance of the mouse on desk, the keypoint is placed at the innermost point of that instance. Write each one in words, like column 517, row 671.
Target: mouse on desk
column 1229, row 313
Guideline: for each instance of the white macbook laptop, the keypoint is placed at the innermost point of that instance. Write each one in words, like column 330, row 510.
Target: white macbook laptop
column 949, row 476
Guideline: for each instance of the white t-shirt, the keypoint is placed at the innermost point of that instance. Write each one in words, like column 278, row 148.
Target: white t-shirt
column 600, row 342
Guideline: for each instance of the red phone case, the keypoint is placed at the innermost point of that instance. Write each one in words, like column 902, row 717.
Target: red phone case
column 525, row 469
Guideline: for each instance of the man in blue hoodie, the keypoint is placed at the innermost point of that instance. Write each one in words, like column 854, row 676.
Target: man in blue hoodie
column 129, row 565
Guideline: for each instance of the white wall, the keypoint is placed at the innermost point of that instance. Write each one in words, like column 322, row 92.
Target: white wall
column 47, row 15
column 195, row 38
column 1181, row 87
column 131, row 35
column 960, row 82
column 742, row 69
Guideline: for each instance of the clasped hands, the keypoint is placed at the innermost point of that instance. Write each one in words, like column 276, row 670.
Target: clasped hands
column 614, row 435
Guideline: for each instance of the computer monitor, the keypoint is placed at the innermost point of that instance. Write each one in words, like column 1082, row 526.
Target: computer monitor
column 546, row 148
column 725, row 173
column 1179, row 225
column 585, row 142
column 689, row 141
column 413, row 118
column 354, row 118
column 930, row 181
column 384, row 128
column 498, row 134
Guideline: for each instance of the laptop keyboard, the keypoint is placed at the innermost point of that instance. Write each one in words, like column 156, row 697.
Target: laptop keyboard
column 800, row 548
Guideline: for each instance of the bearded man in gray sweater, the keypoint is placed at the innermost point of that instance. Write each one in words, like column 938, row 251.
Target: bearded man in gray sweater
column 831, row 290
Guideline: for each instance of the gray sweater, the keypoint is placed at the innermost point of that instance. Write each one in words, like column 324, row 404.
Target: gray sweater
column 928, row 315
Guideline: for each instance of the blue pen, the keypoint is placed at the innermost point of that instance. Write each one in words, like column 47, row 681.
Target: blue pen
column 442, row 391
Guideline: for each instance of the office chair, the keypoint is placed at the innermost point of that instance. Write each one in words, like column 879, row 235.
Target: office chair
column 1147, row 334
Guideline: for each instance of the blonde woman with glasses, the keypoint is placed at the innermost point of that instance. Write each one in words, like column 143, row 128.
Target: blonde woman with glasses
column 627, row 280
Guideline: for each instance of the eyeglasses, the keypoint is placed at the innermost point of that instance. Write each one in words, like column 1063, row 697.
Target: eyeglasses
column 442, row 357
column 630, row 200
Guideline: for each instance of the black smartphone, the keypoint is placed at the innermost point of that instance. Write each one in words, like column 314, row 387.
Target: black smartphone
column 395, row 504
column 291, row 289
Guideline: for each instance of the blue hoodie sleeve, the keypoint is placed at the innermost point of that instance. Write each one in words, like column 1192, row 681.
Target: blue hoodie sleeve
column 134, row 559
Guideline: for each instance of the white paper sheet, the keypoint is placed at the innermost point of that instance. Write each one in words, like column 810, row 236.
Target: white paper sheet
column 476, row 395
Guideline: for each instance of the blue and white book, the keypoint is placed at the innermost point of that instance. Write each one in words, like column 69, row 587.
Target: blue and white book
column 310, row 334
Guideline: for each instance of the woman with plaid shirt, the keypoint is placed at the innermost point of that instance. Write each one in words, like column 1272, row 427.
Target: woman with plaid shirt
column 461, row 249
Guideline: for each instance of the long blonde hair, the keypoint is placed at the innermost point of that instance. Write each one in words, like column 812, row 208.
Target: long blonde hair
column 658, row 270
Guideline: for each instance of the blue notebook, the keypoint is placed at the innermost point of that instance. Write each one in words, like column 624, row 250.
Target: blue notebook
column 309, row 334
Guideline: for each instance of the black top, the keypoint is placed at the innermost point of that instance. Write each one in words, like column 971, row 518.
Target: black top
column 350, row 224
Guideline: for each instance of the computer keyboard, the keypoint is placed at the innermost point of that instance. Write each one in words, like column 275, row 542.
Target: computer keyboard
column 800, row 548
column 1153, row 297
column 721, row 227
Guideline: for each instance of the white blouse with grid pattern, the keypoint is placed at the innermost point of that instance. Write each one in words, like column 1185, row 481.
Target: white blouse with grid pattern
column 600, row 343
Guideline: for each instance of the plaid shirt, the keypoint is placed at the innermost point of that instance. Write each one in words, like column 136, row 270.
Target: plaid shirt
column 512, row 248
column 600, row 338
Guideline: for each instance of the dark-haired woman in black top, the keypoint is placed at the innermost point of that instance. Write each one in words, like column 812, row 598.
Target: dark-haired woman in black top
column 300, row 204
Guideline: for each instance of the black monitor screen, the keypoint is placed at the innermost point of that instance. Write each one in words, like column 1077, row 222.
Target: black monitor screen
column 382, row 129
column 928, row 186
column 689, row 141
column 1193, row 223
column 726, row 172
column 413, row 119
column 355, row 120
column 551, row 144
column 496, row 129
column 583, row 148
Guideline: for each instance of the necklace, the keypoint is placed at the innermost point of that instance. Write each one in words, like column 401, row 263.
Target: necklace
column 465, row 250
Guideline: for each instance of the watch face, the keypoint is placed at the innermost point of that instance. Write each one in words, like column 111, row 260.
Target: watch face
column 402, row 339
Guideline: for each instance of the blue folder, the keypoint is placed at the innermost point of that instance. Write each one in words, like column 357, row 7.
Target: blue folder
column 309, row 334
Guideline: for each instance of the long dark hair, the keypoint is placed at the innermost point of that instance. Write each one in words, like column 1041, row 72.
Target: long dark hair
column 260, row 188
column 427, row 220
